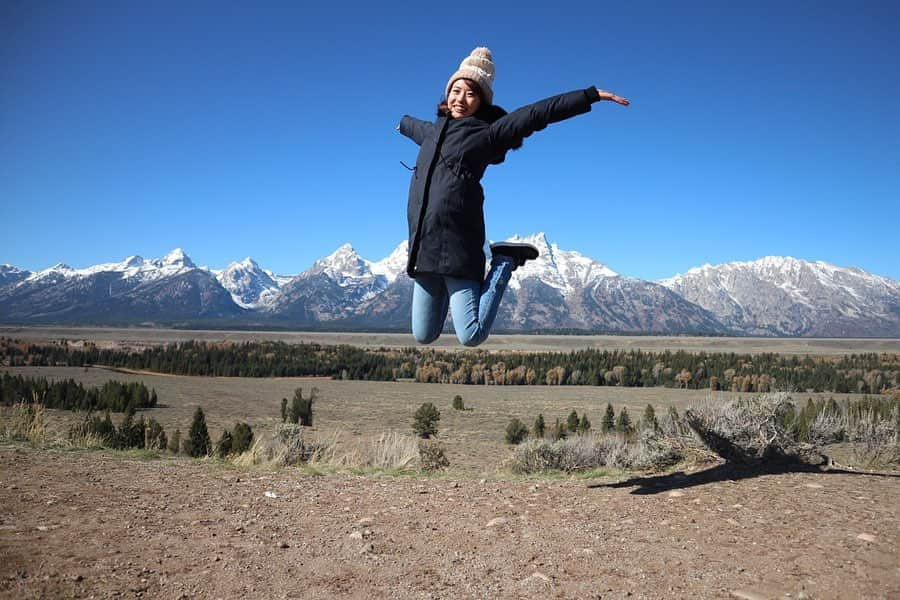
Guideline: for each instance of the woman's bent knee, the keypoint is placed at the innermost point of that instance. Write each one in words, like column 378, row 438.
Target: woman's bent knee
column 471, row 339
column 426, row 337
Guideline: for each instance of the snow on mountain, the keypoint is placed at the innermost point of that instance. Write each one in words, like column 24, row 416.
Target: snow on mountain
column 345, row 266
column 564, row 270
column 788, row 296
column 10, row 274
column 173, row 263
column 393, row 265
column 250, row 285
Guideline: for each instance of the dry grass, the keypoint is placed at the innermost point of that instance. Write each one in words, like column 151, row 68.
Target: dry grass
column 361, row 412
column 294, row 445
column 25, row 422
column 82, row 440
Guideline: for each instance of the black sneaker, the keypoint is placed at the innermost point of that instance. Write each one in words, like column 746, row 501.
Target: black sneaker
column 518, row 252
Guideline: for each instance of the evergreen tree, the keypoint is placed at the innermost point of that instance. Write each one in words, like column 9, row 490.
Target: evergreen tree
column 623, row 422
column 573, row 421
column 284, row 410
column 609, row 419
column 649, row 420
column 241, row 438
column 585, row 425
column 458, row 403
column 539, row 426
column 200, row 444
column 425, row 420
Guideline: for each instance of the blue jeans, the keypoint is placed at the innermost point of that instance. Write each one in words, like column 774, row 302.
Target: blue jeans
column 473, row 304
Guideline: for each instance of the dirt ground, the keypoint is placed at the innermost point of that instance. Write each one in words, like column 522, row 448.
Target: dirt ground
column 93, row 524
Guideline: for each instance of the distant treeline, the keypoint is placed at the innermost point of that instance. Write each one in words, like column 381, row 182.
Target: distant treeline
column 114, row 396
column 869, row 373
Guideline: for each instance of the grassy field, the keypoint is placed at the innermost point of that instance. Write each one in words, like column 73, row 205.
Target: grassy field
column 358, row 410
column 141, row 337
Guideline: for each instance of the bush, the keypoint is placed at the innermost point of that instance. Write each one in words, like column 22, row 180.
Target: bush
column 425, row 420
column 573, row 422
column 752, row 429
column 516, row 432
column 432, row 456
column 302, row 408
column 198, row 440
column 585, row 452
column 458, row 403
column 241, row 438
column 174, row 442
column 223, row 446
column 539, row 426
column 288, row 447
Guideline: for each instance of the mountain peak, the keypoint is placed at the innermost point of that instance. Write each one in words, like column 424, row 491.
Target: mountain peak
column 178, row 258
column 392, row 265
column 133, row 261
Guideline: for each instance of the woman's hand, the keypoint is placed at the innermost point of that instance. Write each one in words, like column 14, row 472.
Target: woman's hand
column 604, row 95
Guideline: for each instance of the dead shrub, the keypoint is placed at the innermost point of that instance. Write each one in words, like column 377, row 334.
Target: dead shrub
column 432, row 456
column 647, row 452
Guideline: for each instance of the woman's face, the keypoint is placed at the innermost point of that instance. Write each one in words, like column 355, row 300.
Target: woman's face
column 463, row 100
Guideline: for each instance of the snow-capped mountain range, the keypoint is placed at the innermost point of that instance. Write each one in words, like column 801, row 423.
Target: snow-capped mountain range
column 561, row 290
column 786, row 296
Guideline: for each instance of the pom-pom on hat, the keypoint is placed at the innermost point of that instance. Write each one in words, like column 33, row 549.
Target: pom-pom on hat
column 479, row 67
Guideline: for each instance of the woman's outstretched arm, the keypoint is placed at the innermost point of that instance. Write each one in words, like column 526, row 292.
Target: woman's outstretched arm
column 509, row 130
column 415, row 129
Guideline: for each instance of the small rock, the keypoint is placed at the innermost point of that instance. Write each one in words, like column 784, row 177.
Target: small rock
column 675, row 494
column 748, row 595
column 541, row 576
column 281, row 545
column 498, row 521
column 366, row 522
column 367, row 549
column 270, row 495
column 815, row 486
column 866, row 537
column 43, row 528
column 356, row 535
column 78, row 578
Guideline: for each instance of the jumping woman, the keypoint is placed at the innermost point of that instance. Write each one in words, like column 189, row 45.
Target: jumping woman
column 445, row 209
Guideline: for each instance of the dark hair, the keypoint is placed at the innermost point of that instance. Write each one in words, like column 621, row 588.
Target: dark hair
column 444, row 109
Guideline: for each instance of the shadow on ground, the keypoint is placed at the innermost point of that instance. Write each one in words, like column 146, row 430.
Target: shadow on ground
column 725, row 472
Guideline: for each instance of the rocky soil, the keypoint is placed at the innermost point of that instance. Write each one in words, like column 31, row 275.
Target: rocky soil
column 91, row 524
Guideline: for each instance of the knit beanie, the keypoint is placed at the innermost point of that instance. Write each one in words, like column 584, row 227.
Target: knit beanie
column 479, row 67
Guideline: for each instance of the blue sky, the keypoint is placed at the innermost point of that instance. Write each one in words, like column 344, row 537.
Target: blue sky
column 267, row 129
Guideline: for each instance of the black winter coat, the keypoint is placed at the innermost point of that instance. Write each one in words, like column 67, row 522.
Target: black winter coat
column 445, row 208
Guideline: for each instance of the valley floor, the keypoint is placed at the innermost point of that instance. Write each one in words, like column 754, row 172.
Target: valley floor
column 92, row 524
